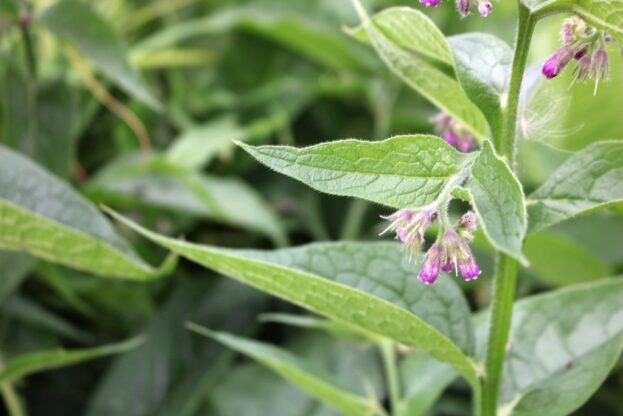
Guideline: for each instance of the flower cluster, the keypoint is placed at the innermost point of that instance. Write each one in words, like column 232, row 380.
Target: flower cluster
column 451, row 250
column 453, row 132
column 583, row 44
column 464, row 6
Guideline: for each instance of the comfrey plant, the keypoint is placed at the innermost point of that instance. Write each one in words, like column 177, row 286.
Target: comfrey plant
column 586, row 46
column 542, row 356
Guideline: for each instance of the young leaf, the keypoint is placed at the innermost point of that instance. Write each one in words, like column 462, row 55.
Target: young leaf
column 24, row 365
column 96, row 39
column 562, row 346
column 588, row 180
column 307, row 377
column 395, row 33
column 483, row 64
column 347, row 293
column 47, row 218
column 498, row 199
column 401, row 172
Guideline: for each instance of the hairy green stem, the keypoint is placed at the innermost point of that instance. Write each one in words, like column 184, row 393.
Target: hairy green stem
column 388, row 351
column 506, row 267
column 505, row 143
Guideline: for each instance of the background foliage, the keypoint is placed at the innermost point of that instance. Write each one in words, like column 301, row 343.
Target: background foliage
column 135, row 105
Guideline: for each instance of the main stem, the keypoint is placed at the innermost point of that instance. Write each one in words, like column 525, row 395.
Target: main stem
column 506, row 267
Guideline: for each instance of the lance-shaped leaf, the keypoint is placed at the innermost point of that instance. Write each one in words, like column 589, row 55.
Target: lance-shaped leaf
column 606, row 15
column 498, row 199
column 24, row 365
column 96, row 39
column 46, row 217
column 369, row 286
column 309, row 378
column 401, row 172
column 588, row 180
column 562, row 346
column 397, row 33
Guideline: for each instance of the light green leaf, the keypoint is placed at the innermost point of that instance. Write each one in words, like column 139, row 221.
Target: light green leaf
column 562, row 346
column 499, row 202
column 306, row 376
column 395, row 33
column 423, row 380
column 351, row 291
column 483, row 64
column 46, row 217
column 588, row 180
column 198, row 145
column 401, row 172
column 96, row 39
column 606, row 15
column 24, row 365
column 132, row 181
column 561, row 261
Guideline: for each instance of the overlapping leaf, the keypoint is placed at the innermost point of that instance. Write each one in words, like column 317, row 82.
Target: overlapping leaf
column 363, row 285
column 588, row 180
column 308, row 377
column 158, row 183
column 395, row 34
column 498, row 199
column 46, row 217
column 557, row 360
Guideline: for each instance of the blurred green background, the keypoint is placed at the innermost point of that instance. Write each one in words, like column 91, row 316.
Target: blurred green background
column 259, row 71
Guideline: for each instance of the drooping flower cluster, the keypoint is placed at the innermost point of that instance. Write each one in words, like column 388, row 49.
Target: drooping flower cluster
column 410, row 227
column 464, row 6
column 453, row 132
column 583, row 44
column 450, row 252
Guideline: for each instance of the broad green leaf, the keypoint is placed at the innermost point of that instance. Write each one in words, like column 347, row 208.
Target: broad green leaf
column 562, row 344
column 312, row 380
column 499, row 202
column 172, row 371
column 24, row 365
column 423, row 380
column 588, row 180
column 46, row 217
column 131, row 181
column 395, row 34
column 561, row 261
column 483, row 64
column 349, row 296
column 401, row 172
column 606, row 15
column 97, row 40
